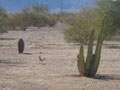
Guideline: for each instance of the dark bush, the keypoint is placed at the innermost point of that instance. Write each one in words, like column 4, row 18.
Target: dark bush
column 3, row 20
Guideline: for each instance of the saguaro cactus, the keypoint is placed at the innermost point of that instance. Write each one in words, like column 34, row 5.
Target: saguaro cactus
column 90, row 67
column 20, row 46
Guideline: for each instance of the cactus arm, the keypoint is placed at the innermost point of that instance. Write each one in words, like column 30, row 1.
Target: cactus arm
column 93, row 59
column 97, row 56
column 80, row 62
column 98, row 47
column 89, row 52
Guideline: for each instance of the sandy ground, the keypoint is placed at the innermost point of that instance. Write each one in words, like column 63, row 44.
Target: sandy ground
column 58, row 70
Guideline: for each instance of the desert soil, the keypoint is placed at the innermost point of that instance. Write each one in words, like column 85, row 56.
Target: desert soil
column 58, row 68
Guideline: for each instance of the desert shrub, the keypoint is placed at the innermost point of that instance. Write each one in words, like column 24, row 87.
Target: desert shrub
column 69, row 19
column 37, row 16
column 40, row 15
column 79, row 33
column 111, row 8
column 52, row 20
column 40, row 8
column 3, row 24
column 19, row 20
column 3, row 20
column 41, row 19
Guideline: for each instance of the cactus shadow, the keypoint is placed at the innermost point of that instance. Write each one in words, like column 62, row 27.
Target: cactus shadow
column 10, row 63
column 99, row 77
column 74, row 76
column 114, row 47
column 28, row 53
column 7, row 38
column 106, row 77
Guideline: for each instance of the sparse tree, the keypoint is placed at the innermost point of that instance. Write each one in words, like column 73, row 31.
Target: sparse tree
column 110, row 8
column 40, row 8
column 3, row 20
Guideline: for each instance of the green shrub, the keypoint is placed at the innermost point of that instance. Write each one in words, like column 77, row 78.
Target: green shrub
column 39, row 16
column 3, row 20
column 69, row 19
column 78, row 33
column 19, row 20
column 83, row 23
column 52, row 20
